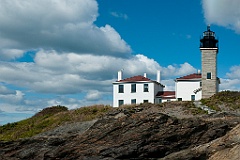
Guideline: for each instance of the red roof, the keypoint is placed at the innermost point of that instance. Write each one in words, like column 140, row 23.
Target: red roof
column 135, row 78
column 166, row 94
column 139, row 78
column 191, row 76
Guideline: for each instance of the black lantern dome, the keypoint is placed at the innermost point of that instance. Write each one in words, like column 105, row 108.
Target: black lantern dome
column 208, row 39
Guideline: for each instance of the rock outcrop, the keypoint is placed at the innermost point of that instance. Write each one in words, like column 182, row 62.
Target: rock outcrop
column 135, row 133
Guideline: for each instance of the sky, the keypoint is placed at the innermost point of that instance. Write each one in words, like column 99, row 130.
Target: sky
column 61, row 52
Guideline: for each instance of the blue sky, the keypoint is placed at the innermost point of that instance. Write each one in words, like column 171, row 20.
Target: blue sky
column 68, row 52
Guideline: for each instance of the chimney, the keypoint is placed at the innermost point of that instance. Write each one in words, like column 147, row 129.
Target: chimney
column 158, row 76
column 120, row 75
column 199, row 71
column 145, row 75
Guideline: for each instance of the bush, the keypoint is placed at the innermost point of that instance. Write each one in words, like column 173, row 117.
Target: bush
column 51, row 111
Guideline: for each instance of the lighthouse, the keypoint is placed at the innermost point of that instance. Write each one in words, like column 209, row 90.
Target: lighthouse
column 209, row 51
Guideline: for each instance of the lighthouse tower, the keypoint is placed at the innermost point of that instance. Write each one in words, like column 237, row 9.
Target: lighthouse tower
column 209, row 50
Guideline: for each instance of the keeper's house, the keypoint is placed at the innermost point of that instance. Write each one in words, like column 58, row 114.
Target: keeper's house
column 139, row 89
column 189, row 87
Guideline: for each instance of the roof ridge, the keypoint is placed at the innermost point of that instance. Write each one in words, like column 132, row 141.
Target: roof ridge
column 191, row 76
column 136, row 78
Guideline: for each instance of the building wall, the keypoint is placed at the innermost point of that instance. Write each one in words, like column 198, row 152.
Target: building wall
column 185, row 89
column 209, row 65
column 158, row 88
column 139, row 95
column 160, row 100
column 168, row 100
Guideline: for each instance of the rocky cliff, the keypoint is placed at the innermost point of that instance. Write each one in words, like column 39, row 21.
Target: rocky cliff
column 170, row 131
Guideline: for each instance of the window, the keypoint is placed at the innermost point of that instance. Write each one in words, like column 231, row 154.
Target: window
column 160, row 100
column 133, row 88
column 209, row 75
column 145, row 101
column 133, row 101
column 120, row 88
column 120, row 102
column 193, row 97
column 179, row 99
column 145, row 87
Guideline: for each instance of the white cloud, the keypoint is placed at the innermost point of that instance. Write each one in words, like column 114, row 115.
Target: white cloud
column 112, row 37
column 119, row 15
column 169, row 84
column 178, row 70
column 224, row 13
column 234, row 72
column 139, row 64
column 5, row 91
column 70, row 73
column 66, row 26
column 230, row 84
column 14, row 98
column 93, row 95
column 232, row 80
column 16, row 72
column 11, row 54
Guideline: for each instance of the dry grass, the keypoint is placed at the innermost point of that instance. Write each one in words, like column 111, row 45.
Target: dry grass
column 223, row 100
column 50, row 118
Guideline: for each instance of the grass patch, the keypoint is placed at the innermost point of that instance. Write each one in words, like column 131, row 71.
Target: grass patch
column 228, row 99
column 49, row 118
column 189, row 105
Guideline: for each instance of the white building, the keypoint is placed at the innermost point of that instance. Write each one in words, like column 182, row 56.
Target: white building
column 140, row 89
column 136, row 90
column 189, row 88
